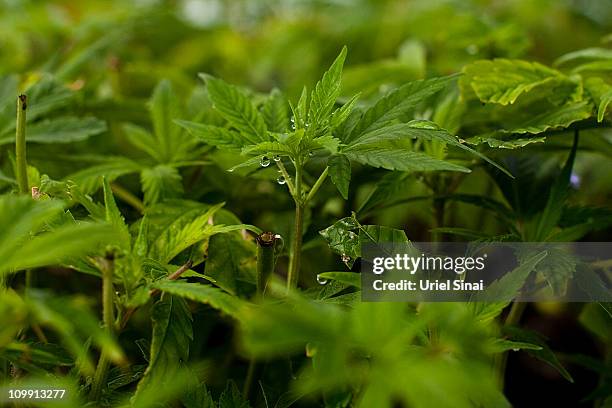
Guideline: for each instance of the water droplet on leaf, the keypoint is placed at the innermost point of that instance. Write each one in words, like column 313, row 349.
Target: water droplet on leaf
column 277, row 158
column 265, row 161
column 281, row 180
column 321, row 280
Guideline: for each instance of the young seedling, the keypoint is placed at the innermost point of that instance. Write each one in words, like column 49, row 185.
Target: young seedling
column 374, row 136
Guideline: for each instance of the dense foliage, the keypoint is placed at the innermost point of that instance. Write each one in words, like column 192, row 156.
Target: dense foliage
column 187, row 185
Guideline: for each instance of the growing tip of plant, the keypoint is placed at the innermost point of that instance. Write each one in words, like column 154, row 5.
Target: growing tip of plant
column 23, row 99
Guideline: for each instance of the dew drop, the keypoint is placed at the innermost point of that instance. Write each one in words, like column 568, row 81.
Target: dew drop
column 311, row 154
column 265, row 161
column 515, row 349
column 321, row 281
column 281, row 180
column 277, row 158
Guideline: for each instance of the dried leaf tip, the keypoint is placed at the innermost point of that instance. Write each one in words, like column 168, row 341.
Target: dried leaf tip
column 266, row 239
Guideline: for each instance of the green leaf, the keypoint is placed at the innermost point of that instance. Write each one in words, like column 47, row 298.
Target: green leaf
column 25, row 242
column 418, row 129
column 113, row 216
column 237, row 109
column 399, row 159
column 603, row 105
column 160, row 183
column 342, row 113
column 343, row 237
column 502, row 345
column 587, row 54
column 502, row 81
column 387, row 187
column 72, row 319
column 340, row 173
column 165, row 108
column 544, row 354
column 206, row 294
column 558, row 194
column 274, row 112
column 215, row 136
column 508, row 286
column 143, row 140
column 89, row 179
column 183, row 233
column 232, row 398
column 268, row 148
column 504, row 143
column 230, row 260
column 488, row 304
column 198, row 396
column 398, row 103
column 172, row 334
column 62, row 130
column 348, row 278
column 326, row 91
column 558, row 118
column 597, row 321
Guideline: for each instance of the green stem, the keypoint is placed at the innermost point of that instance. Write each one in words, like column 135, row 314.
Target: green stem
column 21, row 163
column 295, row 254
column 283, row 171
column 513, row 319
column 265, row 260
column 128, row 197
column 20, row 146
column 317, row 185
column 109, row 322
column 266, row 243
column 296, row 249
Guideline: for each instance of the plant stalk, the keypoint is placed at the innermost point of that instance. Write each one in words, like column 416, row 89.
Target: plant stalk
column 296, row 249
column 128, row 197
column 513, row 318
column 20, row 145
column 266, row 243
column 21, row 163
column 109, row 322
column 265, row 260
column 317, row 185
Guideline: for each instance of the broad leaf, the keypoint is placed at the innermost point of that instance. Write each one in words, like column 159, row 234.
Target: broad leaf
column 237, row 109
column 215, row 136
column 200, row 293
column 326, row 91
column 398, row 103
column 399, row 159
column 502, row 81
column 340, row 173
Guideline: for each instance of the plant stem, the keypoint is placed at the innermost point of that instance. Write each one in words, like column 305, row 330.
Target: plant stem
column 109, row 322
column 20, row 145
column 266, row 243
column 283, row 171
column 296, row 249
column 317, row 185
column 514, row 317
column 293, row 276
column 265, row 260
column 128, row 197
column 153, row 292
column 21, row 162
